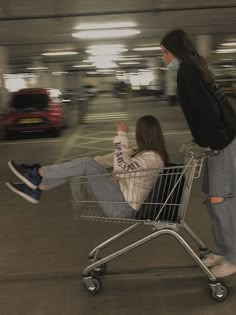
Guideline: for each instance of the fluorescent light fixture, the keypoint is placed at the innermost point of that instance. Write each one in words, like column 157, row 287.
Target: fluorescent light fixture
column 37, row 68
column 105, row 64
column 59, row 72
column 60, row 53
column 94, row 26
column 131, row 56
column 110, row 57
column 129, row 63
column 105, row 52
column 147, row 48
column 120, row 58
column 112, row 33
column 225, row 50
column 82, row 66
column 105, row 70
column 227, row 59
column 229, row 44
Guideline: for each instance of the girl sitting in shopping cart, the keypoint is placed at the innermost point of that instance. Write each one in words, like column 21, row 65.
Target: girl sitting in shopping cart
column 133, row 177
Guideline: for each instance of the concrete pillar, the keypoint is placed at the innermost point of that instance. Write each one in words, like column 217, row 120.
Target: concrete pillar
column 155, row 65
column 58, row 77
column 204, row 47
column 4, row 95
column 43, row 77
column 170, row 86
column 204, row 44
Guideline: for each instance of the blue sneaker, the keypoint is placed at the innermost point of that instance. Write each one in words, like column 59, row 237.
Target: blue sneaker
column 27, row 173
column 21, row 189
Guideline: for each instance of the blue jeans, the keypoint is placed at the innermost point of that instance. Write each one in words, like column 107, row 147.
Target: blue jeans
column 219, row 180
column 103, row 187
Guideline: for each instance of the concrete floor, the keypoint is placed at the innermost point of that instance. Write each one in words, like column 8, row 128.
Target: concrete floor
column 44, row 251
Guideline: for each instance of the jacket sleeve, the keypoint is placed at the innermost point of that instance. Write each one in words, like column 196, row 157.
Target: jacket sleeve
column 105, row 160
column 122, row 157
column 201, row 108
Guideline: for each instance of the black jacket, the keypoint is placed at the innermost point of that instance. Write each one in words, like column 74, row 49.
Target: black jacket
column 210, row 116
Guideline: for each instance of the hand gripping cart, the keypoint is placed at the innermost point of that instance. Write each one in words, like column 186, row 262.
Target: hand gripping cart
column 163, row 209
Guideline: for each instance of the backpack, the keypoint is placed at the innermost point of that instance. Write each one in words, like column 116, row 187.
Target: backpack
column 150, row 209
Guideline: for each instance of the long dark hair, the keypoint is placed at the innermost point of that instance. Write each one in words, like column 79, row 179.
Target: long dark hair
column 181, row 46
column 149, row 137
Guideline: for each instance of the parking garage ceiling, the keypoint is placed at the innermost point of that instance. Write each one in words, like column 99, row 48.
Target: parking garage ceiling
column 30, row 28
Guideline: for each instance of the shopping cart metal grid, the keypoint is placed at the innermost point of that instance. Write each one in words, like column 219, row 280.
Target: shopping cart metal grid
column 164, row 208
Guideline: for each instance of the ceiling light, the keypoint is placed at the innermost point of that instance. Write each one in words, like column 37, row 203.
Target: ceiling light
column 82, row 66
column 129, row 63
column 59, row 72
column 120, row 58
column 105, row 70
column 225, row 51
column 60, row 53
column 94, row 26
column 105, row 64
column 229, row 44
column 147, row 48
column 227, row 59
column 37, row 68
column 112, row 33
column 106, row 50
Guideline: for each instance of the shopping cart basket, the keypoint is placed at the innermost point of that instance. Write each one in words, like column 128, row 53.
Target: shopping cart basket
column 164, row 209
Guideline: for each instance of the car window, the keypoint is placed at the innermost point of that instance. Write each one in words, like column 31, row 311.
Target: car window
column 30, row 101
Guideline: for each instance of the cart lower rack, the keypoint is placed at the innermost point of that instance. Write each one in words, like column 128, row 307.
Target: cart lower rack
column 164, row 208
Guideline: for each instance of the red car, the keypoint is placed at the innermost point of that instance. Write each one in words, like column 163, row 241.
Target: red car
column 34, row 110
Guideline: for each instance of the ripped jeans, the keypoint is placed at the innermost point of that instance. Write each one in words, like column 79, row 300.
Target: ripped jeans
column 219, row 180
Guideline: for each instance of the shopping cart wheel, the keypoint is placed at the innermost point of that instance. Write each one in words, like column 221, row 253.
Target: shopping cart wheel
column 100, row 270
column 92, row 284
column 219, row 292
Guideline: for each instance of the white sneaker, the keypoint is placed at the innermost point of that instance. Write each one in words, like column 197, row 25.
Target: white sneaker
column 224, row 269
column 212, row 260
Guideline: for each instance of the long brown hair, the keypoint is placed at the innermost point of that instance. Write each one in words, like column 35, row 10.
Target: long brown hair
column 149, row 136
column 181, row 46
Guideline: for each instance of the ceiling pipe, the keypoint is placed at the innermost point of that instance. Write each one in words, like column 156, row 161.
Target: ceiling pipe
column 120, row 12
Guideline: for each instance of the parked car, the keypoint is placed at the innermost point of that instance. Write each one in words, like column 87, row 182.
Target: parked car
column 34, row 110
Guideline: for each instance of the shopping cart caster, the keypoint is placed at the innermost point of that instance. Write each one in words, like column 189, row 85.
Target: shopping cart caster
column 219, row 291
column 92, row 284
column 100, row 270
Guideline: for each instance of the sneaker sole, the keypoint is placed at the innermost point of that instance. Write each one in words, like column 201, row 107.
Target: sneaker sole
column 19, row 193
column 213, row 264
column 20, row 176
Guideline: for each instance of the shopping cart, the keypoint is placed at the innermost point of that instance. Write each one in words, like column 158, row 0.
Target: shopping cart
column 164, row 209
